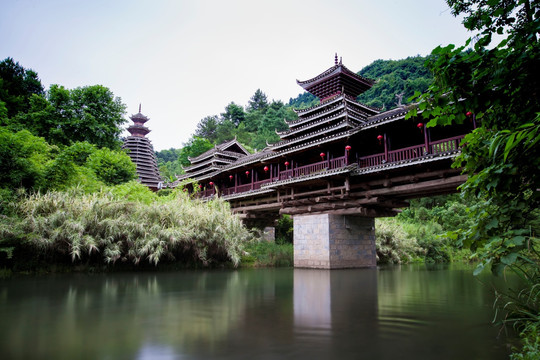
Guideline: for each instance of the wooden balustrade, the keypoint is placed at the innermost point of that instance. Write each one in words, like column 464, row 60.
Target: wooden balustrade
column 371, row 160
column 409, row 153
column 413, row 152
column 446, row 145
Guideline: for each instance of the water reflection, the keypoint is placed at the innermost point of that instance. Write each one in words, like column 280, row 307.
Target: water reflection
column 406, row 313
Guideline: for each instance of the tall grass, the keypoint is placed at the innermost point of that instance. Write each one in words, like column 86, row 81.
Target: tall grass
column 109, row 227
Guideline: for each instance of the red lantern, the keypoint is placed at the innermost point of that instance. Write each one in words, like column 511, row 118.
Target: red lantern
column 421, row 127
column 230, row 177
column 200, row 186
column 266, row 169
column 348, row 148
column 184, row 190
column 380, row 137
column 211, row 183
column 247, row 173
column 468, row 114
column 321, row 155
column 286, row 163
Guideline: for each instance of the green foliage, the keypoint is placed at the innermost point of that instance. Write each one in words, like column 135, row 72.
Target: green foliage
column 134, row 191
column 393, row 245
column 64, row 116
column 395, row 78
column 233, row 113
column 207, row 128
column 502, row 156
column 169, row 163
column 258, row 102
column 194, row 147
column 260, row 253
column 122, row 225
column 284, row 230
column 253, row 128
column 531, row 343
column 112, row 167
column 499, row 84
column 17, row 85
column 303, row 101
column 23, row 158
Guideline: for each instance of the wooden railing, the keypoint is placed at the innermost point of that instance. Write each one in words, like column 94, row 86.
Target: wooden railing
column 413, row 152
column 371, row 160
column 320, row 166
column 446, row 145
column 409, row 153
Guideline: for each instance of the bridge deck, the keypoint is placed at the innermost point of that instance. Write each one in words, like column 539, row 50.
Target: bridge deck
column 340, row 166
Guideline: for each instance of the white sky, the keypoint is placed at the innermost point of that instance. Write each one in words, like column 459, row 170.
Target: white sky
column 184, row 60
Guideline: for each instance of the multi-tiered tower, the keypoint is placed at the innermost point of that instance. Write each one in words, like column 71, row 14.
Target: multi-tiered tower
column 337, row 113
column 141, row 152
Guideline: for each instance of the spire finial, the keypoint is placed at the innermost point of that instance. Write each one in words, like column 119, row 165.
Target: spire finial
column 340, row 60
column 139, row 107
column 335, row 60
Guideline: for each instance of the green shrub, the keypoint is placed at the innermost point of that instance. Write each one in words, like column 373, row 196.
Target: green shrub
column 393, row 244
column 266, row 253
column 284, row 230
column 120, row 225
column 530, row 338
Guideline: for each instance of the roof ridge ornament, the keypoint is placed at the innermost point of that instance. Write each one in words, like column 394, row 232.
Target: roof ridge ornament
column 139, row 108
column 335, row 60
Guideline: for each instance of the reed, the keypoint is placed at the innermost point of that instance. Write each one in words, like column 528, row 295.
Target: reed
column 111, row 228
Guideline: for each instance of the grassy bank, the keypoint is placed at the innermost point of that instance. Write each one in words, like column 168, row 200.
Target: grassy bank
column 118, row 226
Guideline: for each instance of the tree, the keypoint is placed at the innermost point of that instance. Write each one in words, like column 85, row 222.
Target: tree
column 258, row 101
column 23, row 157
column 17, row 85
column 498, row 84
column 233, row 113
column 207, row 128
column 194, row 147
column 112, row 167
column 64, row 116
column 395, row 78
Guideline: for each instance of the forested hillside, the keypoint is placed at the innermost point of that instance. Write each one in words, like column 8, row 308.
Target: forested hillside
column 395, row 79
column 255, row 125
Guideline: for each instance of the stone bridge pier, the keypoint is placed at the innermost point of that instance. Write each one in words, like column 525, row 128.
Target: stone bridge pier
column 329, row 241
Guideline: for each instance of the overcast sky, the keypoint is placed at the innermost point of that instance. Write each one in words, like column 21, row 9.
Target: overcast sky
column 184, row 60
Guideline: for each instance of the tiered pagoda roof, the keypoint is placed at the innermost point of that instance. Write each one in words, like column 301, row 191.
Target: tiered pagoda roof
column 337, row 79
column 338, row 111
column 214, row 159
column 141, row 152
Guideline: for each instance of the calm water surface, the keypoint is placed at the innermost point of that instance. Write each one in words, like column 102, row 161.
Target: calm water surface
column 387, row 313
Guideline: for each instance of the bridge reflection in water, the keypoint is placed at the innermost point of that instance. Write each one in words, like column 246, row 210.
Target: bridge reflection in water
column 407, row 312
column 329, row 306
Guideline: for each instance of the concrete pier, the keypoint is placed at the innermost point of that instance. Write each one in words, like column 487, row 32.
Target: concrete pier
column 327, row 241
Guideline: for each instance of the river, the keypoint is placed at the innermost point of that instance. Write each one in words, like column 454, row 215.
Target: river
column 400, row 312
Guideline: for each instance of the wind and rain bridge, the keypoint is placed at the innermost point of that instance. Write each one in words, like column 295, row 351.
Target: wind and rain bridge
column 340, row 165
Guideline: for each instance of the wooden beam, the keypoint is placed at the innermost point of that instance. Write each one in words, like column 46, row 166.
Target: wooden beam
column 421, row 187
column 360, row 211
column 274, row 205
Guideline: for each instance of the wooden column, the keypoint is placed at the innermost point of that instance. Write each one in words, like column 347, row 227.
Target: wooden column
column 251, row 179
column 328, row 160
column 235, row 183
column 426, row 140
column 385, row 148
